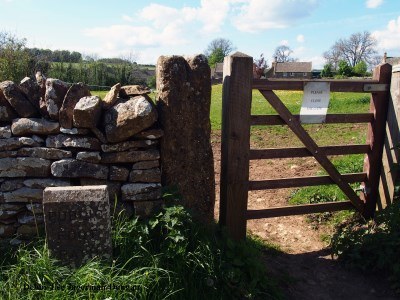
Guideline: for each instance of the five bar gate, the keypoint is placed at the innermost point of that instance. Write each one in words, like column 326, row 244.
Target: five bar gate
column 236, row 153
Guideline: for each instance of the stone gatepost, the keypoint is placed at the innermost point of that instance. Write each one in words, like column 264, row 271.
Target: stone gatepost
column 183, row 101
column 77, row 221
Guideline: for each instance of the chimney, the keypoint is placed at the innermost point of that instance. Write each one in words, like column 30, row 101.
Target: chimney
column 384, row 57
column 273, row 65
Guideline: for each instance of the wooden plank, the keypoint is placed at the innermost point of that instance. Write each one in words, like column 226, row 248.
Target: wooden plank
column 330, row 118
column 282, row 183
column 303, row 152
column 376, row 139
column 355, row 86
column 319, row 155
column 236, row 103
column 298, row 210
column 391, row 153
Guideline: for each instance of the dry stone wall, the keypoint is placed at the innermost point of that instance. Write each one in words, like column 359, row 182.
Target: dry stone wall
column 53, row 134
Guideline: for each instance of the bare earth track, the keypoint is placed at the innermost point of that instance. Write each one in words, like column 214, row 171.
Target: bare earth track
column 305, row 268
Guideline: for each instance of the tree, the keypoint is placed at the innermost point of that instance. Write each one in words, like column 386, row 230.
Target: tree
column 259, row 66
column 75, row 57
column 14, row 58
column 375, row 60
column 282, row 54
column 216, row 57
column 344, row 69
column 360, row 46
column 360, row 69
column 327, row 71
column 217, row 49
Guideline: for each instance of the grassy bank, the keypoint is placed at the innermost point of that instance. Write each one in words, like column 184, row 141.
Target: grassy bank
column 167, row 257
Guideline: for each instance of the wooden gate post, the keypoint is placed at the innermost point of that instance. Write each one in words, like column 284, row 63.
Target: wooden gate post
column 376, row 140
column 235, row 144
column 391, row 153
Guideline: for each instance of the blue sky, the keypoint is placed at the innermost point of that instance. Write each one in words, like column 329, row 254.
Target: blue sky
column 146, row 30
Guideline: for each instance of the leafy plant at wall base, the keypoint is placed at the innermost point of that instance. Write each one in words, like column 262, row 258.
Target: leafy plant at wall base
column 169, row 256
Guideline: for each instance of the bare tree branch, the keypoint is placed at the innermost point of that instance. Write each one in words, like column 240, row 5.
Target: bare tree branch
column 220, row 43
column 282, row 54
column 360, row 46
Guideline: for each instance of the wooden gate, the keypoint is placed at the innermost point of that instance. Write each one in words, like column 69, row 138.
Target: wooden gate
column 236, row 153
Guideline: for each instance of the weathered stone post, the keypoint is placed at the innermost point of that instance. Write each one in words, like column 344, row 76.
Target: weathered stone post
column 184, row 98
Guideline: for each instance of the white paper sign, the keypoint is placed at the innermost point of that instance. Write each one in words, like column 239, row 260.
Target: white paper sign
column 315, row 102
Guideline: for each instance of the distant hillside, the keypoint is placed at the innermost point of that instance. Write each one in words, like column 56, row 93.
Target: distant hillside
column 103, row 73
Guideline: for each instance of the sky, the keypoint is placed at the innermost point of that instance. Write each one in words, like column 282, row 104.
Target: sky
column 146, row 30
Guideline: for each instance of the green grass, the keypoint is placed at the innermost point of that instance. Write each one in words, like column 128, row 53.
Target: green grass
column 102, row 94
column 328, row 193
column 340, row 103
column 167, row 257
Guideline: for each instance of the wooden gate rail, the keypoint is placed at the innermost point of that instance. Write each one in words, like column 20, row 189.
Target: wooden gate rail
column 283, row 183
column 298, row 210
column 354, row 86
column 236, row 152
column 303, row 152
column 330, row 118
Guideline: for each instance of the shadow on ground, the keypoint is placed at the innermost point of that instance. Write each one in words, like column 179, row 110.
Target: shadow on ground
column 315, row 275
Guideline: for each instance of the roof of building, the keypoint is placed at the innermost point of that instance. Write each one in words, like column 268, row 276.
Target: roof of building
column 393, row 60
column 293, row 67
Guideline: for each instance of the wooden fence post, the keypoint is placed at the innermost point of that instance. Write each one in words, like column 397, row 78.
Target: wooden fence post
column 235, row 144
column 390, row 159
column 376, row 140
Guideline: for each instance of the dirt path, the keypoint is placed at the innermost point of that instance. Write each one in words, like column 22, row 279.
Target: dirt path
column 305, row 268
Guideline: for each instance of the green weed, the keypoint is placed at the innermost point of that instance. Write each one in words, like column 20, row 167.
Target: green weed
column 373, row 245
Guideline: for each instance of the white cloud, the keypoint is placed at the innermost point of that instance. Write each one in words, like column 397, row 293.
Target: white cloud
column 318, row 62
column 373, row 3
column 284, row 43
column 300, row 38
column 127, row 18
column 210, row 13
column 162, row 26
column 158, row 27
column 259, row 15
column 389, row 39
column 117, row 36
column 159, row 15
